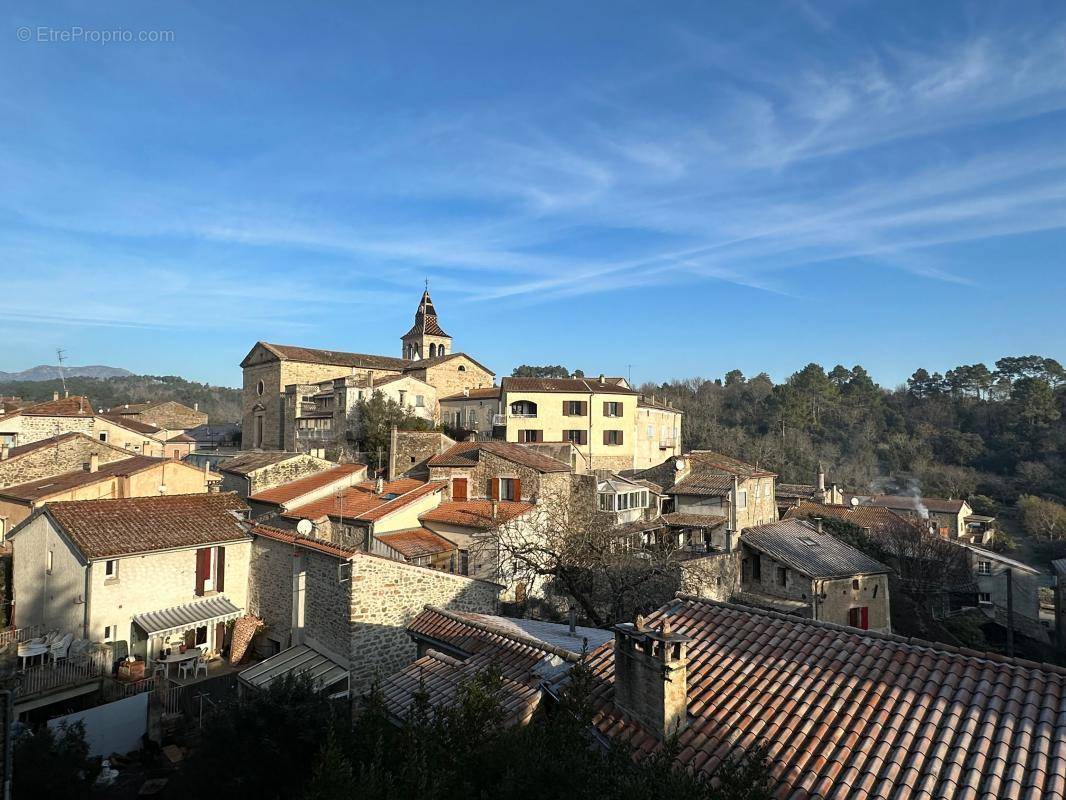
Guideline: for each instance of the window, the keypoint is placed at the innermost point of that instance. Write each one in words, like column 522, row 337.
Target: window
column 528, row 435
column 575, row 408
column 210, row 570
column 651, row 431
column 48, row 559
column 524, row 408
column 420, row 401
column 855, row 583
column 509, row 489
column 606, row 501
column 471, row 418
column 109, row 632
column 461, row 368
column 177, row 455
column 742, row 499
column 103, row 436
column 612, row 409
column 201, row 635
column 260, row 388
column 984, row 567
column 612, row 437
column 403, row 396
column 756, row 568
column 576, row 436
column 984, row 598
column 859, row 617
column 111, row 570
column 782, row 576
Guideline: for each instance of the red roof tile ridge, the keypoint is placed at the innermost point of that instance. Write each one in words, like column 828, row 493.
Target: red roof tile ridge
column 296, row 539
column 995, row 658
column 486, row 627
column 444, row 658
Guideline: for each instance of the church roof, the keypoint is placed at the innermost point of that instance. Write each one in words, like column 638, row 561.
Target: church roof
column 425, row 319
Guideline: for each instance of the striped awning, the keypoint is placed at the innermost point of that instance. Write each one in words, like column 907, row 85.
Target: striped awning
column 190, row 615
column 300, row 660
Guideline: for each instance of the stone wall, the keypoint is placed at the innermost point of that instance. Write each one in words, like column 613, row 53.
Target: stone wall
column 173, row 416
column 386, row 596
column 270, row 590
column 410, row 450
column 300, row 466
column 66, row 455
column 448, row 378
column 28, row 429
column 716, row 576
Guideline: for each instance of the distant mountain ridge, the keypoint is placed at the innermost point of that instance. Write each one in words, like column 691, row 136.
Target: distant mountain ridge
column 44, row 372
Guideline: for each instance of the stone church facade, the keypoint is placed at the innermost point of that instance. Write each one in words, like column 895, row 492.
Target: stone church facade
column 271, row 369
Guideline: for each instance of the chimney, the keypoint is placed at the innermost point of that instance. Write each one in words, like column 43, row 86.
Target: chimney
column 5, row 451
column 94, row 462
column 603, row 380
column 55, row 396
column 818, row 524
column 195, row 406
column 379, row 486
column 651, row 676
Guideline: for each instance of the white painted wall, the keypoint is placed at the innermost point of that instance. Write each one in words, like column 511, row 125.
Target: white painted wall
column 113, row 727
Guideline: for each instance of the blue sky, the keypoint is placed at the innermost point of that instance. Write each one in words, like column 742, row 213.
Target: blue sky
column 684, row 188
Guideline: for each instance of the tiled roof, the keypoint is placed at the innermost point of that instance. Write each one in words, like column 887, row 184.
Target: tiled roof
column 475, row 644
column 76, row 406
column 287, row 492
column 567, row 385
column 249, row 462
column 797, row 544
column 337, row 358
column 404, row 500
column 795, row 491
column 415, row 542
column 22, row 449
column 293, row 538
column 908, row 503
column 105, row 528
column 850, row 714
column 647, row 402
column 131, row 408
column 131, row 424
column 46, row 487
column 876, row 519
column 711, row 474
column 466, row 454
column 476, row 513
column 486, row 393
column 693, row 520
column 357, row 501
column 181, row 437
column 426, row 319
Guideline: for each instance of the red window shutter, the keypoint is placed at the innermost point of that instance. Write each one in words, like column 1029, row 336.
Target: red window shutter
column 203, row 565
column 606, row 408
column 458, row 488
column 517, row 485
column 220, row 570
column 566, row 408
column 621, row 437
column 584, row 408
column 494, row 488
column 606, row 437
column 864, row 618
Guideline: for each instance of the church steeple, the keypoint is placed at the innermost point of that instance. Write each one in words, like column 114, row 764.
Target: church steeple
column 426, row 339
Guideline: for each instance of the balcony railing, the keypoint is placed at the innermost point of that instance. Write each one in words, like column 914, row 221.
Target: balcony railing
column 668, row 443
column 501, row 419
column 66, row 673
column 20, row 635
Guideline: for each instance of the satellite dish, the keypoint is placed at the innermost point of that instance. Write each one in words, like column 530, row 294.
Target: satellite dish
column 304, row 527
column 854, row 501
column 679, row 464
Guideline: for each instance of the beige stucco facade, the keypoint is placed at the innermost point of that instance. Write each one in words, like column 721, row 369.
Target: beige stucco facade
column 657, row 434
column 756, row 504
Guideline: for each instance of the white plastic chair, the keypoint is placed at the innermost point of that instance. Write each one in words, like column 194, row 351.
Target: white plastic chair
column 185, row 667
column 159, row 668
column 201, row 664
column 61, row 647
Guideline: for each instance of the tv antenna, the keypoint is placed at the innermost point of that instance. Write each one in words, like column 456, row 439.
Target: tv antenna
column 60, row 356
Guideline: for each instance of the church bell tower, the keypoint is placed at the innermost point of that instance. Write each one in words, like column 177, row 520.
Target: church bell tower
column 426, row 339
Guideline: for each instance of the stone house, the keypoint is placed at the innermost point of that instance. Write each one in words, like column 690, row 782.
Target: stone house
column 945, row 517
column 410, row 452
column 628, row 499
column 990, row 574
column 350, row 605
column 318, row 415
column 791, row 495
column 45, row 420
column 708, row 483
column 658, row 432
column 793, row 566
column 166, row 414
column 139, row 476
column 250, row 472
column 54, row 456
column 109, row 570
column 471, row 410
column 269, row 368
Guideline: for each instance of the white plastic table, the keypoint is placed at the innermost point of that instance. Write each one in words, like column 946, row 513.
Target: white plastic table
column 178, row 658
column 29, row 650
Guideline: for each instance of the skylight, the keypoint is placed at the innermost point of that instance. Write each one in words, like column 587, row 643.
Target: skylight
column 807, row 540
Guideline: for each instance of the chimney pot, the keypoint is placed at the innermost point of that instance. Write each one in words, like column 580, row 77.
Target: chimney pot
column 818, row 524
column 55, row 395
column 379, row 485
column 94, row 462
column 603, row 380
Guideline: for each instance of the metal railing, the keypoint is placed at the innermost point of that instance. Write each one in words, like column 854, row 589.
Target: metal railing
column 118, row 690
column 62, row 674
column 667, row 443
column 20, row 635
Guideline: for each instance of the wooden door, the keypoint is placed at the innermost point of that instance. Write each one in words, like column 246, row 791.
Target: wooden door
column 459, row 489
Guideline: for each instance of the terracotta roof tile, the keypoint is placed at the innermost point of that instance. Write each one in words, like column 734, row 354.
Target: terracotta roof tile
column 486, row 393
column 334, row 357
column 290, row 537
column 711, row 474
column 876, row 519
column 356, row 501
column 292, row 490
column 476, row 513
column 398, row 503
column 252, row 460
column 415, row 542
column 908, row 503
column 76, row 406
column 854, row 714
column 564, row 385
column 422, row 363
column 131, row 424
column 46, row 487
column 105, row 528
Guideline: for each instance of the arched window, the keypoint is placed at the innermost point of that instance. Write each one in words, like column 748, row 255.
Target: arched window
column 462, row 368
column 432, row 350
column 524, row 408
